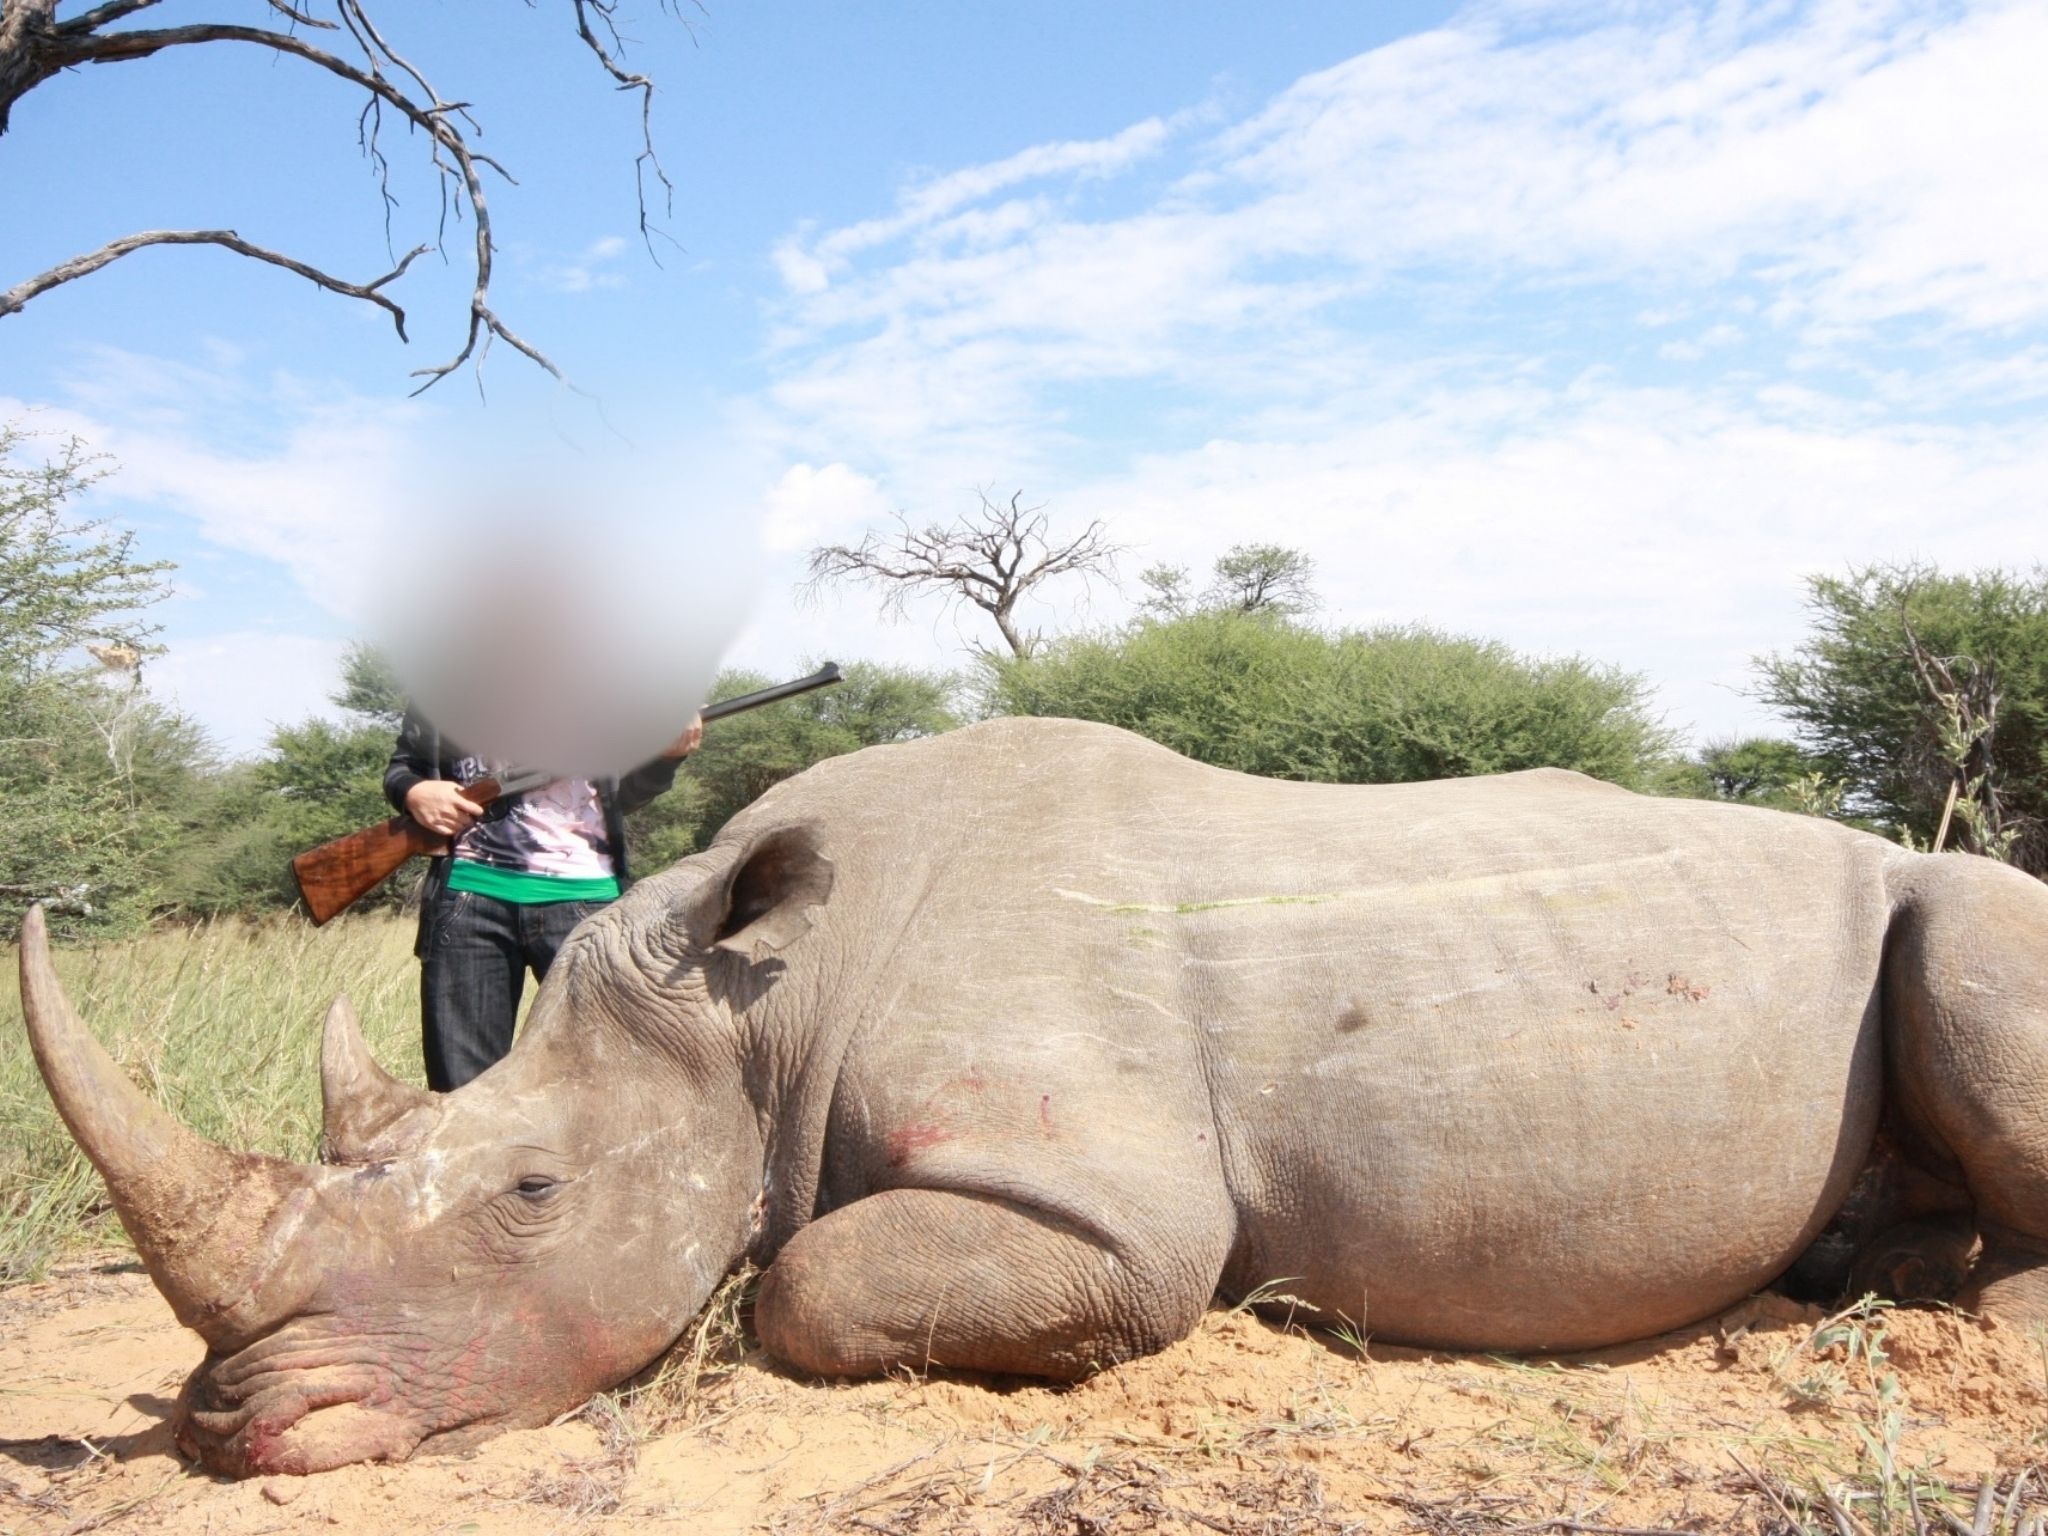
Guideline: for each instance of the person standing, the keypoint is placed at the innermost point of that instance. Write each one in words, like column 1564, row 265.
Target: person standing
column 518, row 875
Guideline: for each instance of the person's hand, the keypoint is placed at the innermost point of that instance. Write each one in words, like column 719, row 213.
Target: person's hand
column 686, row 743
column 438, row 805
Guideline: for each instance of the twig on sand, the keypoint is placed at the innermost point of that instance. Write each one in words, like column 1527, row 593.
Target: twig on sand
column 113, row 1512
column 1763, row 1486
column 1580, row 1528
column 1845, row 1523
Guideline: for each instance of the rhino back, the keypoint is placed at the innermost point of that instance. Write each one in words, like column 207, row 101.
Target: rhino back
column 1471, row 1062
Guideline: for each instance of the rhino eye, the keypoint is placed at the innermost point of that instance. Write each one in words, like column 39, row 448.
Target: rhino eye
column 537, row 1186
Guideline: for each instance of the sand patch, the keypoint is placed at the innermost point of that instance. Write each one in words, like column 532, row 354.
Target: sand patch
column 1741, row 1425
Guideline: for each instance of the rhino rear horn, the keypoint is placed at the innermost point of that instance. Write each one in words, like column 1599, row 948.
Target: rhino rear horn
column 360, row 1102
column 206, row 1221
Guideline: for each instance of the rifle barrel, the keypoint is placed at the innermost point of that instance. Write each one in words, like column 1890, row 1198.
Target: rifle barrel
column 824, row 677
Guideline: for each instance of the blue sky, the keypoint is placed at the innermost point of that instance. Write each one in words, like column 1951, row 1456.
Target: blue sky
column 1590, row 327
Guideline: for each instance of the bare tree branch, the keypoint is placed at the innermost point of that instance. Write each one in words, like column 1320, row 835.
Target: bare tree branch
column 25, row 27
column 35, row 46
column 79, row 266
column 990, row 558
column 629, row 80
column 433, row 120
column 285, row 10
column 113, row 10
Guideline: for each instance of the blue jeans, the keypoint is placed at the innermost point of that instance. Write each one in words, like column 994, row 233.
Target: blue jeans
column 475, row 951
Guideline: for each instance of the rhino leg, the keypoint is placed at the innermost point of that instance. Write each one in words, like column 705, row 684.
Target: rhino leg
column 916, row 1277
column 1966, row 984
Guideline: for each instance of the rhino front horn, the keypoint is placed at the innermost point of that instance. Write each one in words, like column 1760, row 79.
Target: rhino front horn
column 202, row 1218
column 361, row 1103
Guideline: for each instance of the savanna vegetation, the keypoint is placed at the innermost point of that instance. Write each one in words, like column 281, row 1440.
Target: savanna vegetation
column 221, row 1019
column 1264, row 694
column 1917, row 706
column 1923, row 694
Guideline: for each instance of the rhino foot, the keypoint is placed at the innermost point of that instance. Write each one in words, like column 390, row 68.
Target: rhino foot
column 2010, row 1282
column 1916, row 1261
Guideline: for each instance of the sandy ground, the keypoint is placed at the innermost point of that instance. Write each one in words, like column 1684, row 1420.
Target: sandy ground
column 1742, row 1425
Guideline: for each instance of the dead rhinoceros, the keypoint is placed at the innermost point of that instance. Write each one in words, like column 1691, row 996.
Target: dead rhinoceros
column 1010, row 1049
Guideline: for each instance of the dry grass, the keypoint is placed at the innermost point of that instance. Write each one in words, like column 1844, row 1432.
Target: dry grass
column 220, row 1021
column 687, row 1388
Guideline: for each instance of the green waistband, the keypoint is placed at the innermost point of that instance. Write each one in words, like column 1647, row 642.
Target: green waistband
column 523, row 887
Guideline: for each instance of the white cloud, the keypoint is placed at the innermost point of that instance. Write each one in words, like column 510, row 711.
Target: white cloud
column 1694, row 348
column 807, row 265
column 243, row 683
column 306, row 478
column 1404, row 315
column 588, row 269
column 1863, row 163
column 1882, row 159
column 307, row 475
column 1645, row 528
column 809, row 505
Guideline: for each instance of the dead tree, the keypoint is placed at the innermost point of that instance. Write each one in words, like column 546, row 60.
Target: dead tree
column 1956, row 755
column 36, row 45
column 991, row 558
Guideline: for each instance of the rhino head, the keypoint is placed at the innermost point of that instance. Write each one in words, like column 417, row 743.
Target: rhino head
column 463, row 1263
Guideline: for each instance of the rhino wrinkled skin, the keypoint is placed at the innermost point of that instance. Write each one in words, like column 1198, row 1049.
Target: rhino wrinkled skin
column 1008, row 1050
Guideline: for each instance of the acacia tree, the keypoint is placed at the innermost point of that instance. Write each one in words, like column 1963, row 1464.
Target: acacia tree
column 1264, row 578
column 92, row 772
column 370, row 686
column 1964, row 696
column 37, row 45
column 1268, row 579
column 1926, row 694
column 990, row 557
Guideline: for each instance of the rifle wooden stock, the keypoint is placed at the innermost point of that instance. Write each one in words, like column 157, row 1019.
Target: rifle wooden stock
column 336, row 875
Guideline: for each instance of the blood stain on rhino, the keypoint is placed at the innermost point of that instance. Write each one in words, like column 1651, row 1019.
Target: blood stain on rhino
column 908, row 1140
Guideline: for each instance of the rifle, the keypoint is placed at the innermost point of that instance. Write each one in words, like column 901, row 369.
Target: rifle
column 336, row 875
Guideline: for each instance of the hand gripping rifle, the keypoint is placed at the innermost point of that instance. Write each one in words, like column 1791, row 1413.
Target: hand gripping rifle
column 336, row 875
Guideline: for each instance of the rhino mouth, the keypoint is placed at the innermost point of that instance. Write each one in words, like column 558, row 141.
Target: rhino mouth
column 296, row 1422
column 330, row 1389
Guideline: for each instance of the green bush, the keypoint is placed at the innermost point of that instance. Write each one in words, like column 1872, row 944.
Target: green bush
column 1266, row 696
column 746, row 755
column 316, row 781
column 1750, row 770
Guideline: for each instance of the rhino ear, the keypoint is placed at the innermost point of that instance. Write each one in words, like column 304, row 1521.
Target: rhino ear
column 773, row 888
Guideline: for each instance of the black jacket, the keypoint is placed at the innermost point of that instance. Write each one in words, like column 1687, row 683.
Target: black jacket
column 422, row 753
